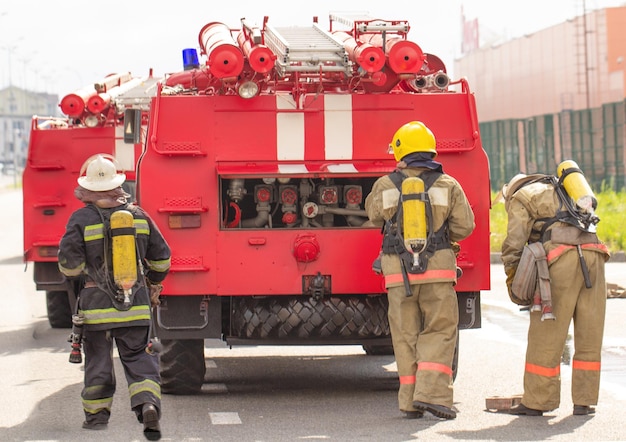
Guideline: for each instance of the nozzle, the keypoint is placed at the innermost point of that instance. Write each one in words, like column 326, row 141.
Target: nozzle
column 154, row 346
column 547, row 314
column 76, row 357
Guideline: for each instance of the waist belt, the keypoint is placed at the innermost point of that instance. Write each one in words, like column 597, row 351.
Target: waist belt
column 394, row 244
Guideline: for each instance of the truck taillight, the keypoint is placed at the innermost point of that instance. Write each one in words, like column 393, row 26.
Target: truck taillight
column 48, row 251
column 353, row 194
column 190, row 221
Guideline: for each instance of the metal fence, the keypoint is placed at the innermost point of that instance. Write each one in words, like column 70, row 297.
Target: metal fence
column 594, row 138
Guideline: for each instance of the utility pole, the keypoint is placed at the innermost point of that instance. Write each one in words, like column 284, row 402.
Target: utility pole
column 586, row 52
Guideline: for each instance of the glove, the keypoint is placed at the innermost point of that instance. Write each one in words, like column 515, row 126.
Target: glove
column 456, row 248
column 155, row 292
column 510, row 276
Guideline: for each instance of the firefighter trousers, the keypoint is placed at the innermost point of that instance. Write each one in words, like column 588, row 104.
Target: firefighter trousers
column 424, row 334
column 141, row 370
column 571, row 300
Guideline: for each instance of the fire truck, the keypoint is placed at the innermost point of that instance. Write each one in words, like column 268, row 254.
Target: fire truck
column 257, row 160
column 93, row 123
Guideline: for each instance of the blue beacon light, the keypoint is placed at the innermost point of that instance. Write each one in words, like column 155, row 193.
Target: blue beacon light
column 190, row 59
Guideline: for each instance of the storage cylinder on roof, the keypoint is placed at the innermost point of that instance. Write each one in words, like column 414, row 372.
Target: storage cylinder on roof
column 403, row 56
column 225, row 59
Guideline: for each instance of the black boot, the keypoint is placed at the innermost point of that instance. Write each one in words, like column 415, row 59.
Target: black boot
column 523, row 410
column 438, row 410
column 583, row 410
column 150, row 418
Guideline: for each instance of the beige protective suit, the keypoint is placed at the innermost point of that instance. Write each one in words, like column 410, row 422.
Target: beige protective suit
column 424, row 325
column 528, row 209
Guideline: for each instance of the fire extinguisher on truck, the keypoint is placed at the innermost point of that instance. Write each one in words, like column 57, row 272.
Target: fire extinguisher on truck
column 256, row 165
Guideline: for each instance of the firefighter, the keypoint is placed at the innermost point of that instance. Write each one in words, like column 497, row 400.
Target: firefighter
column 539, row 209
column 88, row 252
column 421, row 221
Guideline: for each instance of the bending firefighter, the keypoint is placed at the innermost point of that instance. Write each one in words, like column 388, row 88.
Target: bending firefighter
column 120, row 258
column 554, row 264
column 422, row 211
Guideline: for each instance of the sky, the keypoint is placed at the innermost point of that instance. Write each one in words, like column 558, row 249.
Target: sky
column 60, row 47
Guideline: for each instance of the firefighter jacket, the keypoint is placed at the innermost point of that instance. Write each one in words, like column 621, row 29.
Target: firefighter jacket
column 449, row 204
column 528, row 209
column 84, row 251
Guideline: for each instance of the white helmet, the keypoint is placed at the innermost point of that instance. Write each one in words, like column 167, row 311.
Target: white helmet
column 519, row 181
column 100, row 174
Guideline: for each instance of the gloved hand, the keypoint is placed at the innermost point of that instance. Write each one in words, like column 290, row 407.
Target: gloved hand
column 456, row 248
column 155, row 289
column 510, row 275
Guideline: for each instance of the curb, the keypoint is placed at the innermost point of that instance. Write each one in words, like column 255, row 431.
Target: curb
column 615, row 257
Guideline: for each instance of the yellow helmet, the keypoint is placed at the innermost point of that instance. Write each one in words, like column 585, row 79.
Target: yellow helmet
column 412, row 137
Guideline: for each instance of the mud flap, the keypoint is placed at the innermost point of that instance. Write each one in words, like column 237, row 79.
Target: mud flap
column 469, row 310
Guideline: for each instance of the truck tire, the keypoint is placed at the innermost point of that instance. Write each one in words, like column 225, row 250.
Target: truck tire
column 300, row 318
column 378, row 350
column 182, row 366
column 59, row 310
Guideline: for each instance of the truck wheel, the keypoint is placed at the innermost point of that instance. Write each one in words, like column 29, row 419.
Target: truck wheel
column 378, row 350
column 182, row 366
column 299, row 318
column 59, row 310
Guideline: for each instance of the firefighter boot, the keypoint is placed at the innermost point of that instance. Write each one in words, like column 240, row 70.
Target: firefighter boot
column 150, row 419
column 94, row 425
column 416, row 414
column 523, row 410
column 583, row 410
column 438, row 410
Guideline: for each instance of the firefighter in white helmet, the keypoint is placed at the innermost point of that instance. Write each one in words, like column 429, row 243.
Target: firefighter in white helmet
column 422, row 220
column 557, row 213
column 119, row 258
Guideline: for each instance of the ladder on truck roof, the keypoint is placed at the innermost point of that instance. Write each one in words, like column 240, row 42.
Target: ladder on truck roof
column 364, row 23
column 306, row 49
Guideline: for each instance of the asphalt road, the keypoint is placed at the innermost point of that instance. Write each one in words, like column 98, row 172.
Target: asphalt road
column 290, row 393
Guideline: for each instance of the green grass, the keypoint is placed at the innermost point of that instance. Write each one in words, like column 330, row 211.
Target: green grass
column 611, row 229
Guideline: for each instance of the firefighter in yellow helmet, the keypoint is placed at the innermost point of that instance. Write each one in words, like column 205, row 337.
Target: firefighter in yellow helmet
column 106, row 231
column 423, row 211
column 543, row 211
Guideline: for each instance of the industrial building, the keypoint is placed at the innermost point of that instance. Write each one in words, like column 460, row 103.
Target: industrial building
column 556, row 94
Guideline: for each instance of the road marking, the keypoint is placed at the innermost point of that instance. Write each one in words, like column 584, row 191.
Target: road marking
column 225, row 418
column 214, row 388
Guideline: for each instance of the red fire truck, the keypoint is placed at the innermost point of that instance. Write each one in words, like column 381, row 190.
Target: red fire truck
column 256, row 165
column 93, row 123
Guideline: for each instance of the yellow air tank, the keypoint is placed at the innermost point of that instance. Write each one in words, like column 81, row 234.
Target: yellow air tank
column 577, row 186
column 414, row 217
column 124, row 252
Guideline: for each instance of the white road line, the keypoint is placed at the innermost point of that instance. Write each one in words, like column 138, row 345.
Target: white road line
column 225, row 418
